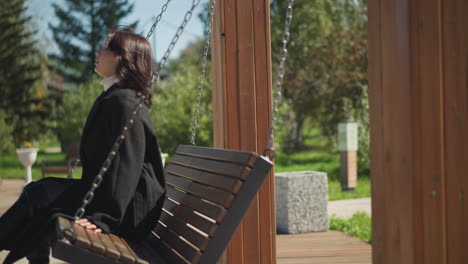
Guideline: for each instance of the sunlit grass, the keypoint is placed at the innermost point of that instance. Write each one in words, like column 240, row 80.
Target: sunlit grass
column 319, row 155
column 359, row 225
column 363, row 190
column 11, row 168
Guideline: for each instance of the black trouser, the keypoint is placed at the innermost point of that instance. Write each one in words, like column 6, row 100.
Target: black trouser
column 25, row 226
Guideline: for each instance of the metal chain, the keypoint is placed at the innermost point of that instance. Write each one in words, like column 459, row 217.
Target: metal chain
column 202, row 73
column 73, row 168
column 279, row 79
column 70, row 232
column 158, row 18
column 176, row 37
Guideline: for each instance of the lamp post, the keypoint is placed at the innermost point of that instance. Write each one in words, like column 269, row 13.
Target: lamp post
column 348, row 146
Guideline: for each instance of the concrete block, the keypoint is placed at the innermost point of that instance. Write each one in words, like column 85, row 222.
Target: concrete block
column 301, row 202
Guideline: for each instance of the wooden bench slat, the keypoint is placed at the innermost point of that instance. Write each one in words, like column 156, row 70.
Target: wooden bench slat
column 125, row 255
column 233, row 156
column 187, row 215
column 177, row 244
column 168, row 253
column 206, row 192
column 182, row 229
column 111, row 249
column 96, row 243
column 218, row 167
column 102, row 244
column 69, row 253
column 229, row 184
column 213, row 211
column 82, row 239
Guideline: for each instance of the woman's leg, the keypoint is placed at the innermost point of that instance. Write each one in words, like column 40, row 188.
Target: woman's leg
column 21, row 225
column 15, row 218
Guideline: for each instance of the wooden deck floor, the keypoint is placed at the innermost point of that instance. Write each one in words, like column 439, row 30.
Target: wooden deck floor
column 322, row 248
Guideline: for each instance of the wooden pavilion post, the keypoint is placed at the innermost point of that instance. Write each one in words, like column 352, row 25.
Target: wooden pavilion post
column 242, row 113
column 418, row 90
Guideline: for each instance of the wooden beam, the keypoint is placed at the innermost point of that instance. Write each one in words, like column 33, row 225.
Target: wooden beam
column 455, row 72
column 242, row 113
column 418, row 112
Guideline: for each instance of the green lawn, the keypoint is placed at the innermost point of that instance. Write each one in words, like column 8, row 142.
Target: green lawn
column 318, row 155
column 11, row 168
column 359, row 225
column 363, row 190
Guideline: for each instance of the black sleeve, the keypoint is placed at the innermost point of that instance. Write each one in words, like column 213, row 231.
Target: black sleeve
column 121, row 179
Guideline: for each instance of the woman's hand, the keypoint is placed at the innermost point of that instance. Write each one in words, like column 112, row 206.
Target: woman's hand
column 86, row 224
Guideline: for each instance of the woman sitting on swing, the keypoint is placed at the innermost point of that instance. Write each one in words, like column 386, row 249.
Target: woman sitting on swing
column 131, row 194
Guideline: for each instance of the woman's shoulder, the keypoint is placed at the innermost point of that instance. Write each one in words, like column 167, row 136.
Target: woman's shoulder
column 123, row 101
column 122, row 97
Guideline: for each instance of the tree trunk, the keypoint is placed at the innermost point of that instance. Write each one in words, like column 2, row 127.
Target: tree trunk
column 297, row 135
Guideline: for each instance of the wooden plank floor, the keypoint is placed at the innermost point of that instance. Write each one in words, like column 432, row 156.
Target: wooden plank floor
column 322, row 248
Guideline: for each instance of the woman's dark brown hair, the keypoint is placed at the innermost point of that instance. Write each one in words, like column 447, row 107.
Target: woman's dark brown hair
column 134, row 60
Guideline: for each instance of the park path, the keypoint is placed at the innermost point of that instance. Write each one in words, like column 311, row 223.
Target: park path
column 346, row 208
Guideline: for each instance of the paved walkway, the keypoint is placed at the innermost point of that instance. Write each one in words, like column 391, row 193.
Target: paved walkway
column 11, row 189
column 346, row 208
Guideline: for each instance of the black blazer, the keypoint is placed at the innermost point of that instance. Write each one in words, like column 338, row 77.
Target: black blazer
column 129, row 200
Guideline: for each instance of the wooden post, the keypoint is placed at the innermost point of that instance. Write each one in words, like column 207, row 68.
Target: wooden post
column 348, row 170
column 348, row 146
column 418, row 65
column 242, row 113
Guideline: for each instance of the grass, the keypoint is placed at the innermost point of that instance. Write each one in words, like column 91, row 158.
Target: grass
column 362, row 190
column 11, row 168
column 319, row 155
column 359, row 225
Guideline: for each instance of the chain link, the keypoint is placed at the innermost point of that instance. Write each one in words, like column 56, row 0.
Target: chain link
column 158, row 18
column 73, row 168
column 202, row 73
column 279, row 77
column 176, row 37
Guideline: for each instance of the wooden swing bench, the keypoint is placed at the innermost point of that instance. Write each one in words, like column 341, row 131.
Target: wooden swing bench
column 208, row 192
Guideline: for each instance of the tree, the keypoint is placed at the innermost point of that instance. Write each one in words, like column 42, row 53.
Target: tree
column 325, row 78
column 73, row 111
column 174, row 102
column 21, row 98
column 82, row 27
column 6, row 144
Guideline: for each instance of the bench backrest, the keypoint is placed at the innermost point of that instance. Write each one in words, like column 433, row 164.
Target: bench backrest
column 208, row 192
